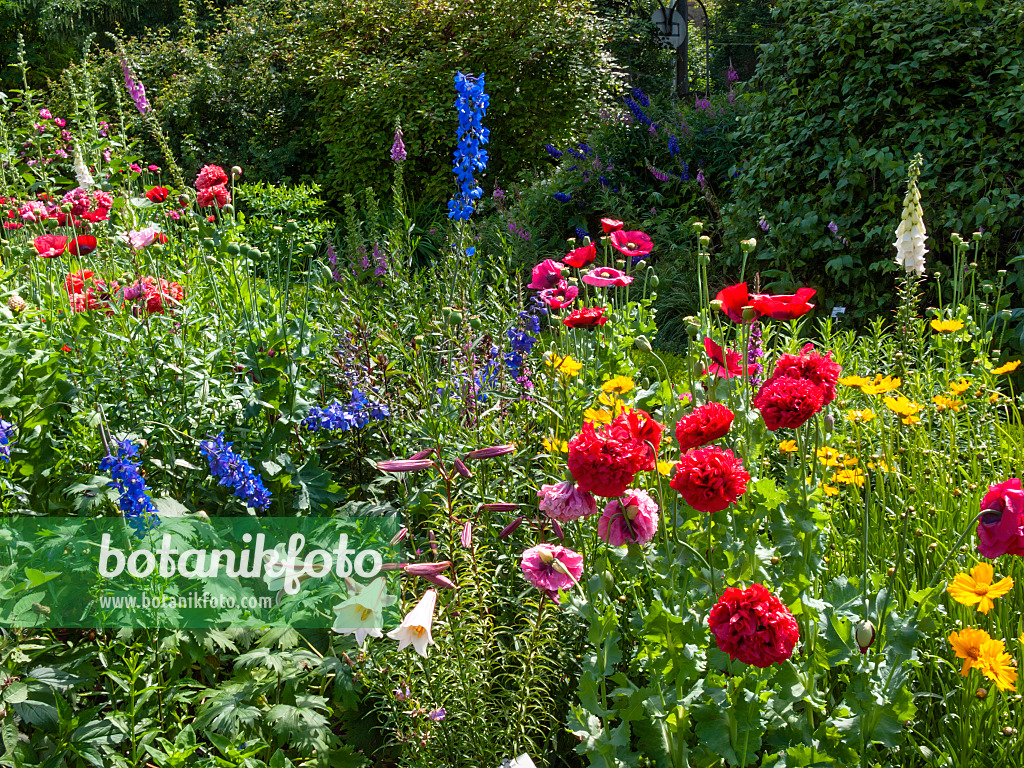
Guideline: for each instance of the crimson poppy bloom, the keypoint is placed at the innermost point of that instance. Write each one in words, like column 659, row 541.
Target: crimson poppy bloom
column 547, row 274
column 733, row 300
column 632, row 243
column 48, row 246
column 560, row 297
column 156, row 194
column 587, row 317
column 581, row 256
column 611, row 225
column 784, row 307
column 725, row 365
column 82, row 245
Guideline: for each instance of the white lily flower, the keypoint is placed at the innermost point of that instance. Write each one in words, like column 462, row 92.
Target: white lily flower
column 415, row 628
column 362, row 614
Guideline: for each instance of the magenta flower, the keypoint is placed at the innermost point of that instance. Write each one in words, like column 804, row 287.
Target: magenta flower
column 45, row 114
column 633, row 243
column 633, row 518
column 565, row 502
column 560, row 297
column 142, row 238
column 398, row 153
column 602, row 277
column 551, row 567
column 547, row 274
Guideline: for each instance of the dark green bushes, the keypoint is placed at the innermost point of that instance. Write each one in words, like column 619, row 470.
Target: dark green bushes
column 848, row 93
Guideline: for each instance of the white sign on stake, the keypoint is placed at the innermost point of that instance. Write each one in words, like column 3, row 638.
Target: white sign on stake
column 523, row 761
column 671, row 24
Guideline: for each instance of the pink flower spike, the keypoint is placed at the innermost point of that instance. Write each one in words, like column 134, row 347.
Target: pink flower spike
column 405, row 465
column 428, row 569
column 546, row 275
column 603, row 277
column 467, row 534
column 415, row 627
column 491, row 453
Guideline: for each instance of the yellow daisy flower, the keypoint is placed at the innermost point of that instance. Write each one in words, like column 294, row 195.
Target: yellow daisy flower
column 787, row 446
column 1007, row 368
column 977, row 588
column 598, row 416
column 945, row 403
column 849, row 461
column 829, row 490
column 619, row 384
column 830, row 457
column 946, row 326
column 959, row 388
column 967, row 645
column 850, row 477
column 854, row 381
column 556, row 446
column 904, row 407
column 860, row 416
column 665, row 468
column 994, row 398
column 881, row 385
column 565, row 366
column 997, row 665
column 882, row 464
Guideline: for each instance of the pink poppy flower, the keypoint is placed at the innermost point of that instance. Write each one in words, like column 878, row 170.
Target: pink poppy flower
column 49, row 246
column 551, row 567
column 547, row 274
column 632, row 243
column 611, row 225
column 141, row 239
column 560, row 297
column 633, row 518
column 602, row 277
column 565, row 502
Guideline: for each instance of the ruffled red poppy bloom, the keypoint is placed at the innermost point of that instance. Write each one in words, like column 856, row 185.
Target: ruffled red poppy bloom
column 49, row 246
column 710, row 479
column 753, row 626
column 82, row 245
column 785, row 306
column 211, row 176
column 645, row 429
column 786, row 403
column 75, row 282
column 587, row 317
column 215, row 195
column 611, row 225
column 156, row 194
column 704, row 425
column 820, row 370
column 632, row 243
column 581, row 256
column 605, row 463
column 724, row 365
column 1001, row 525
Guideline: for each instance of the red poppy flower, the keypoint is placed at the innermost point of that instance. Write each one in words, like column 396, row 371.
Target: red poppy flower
column 82, row 245
column 706, row 424
column 710, row 479
column 560, row 297
column 820, row 370
column 581, row 256
column 605, row 463
column 753, row 626
column 733, row 300
column 587, row 317
column 211, row 176
column 786, row 306
column 216, row 195
column 611, row 225
column 724, row 365
column 632, row 243
column 786, row 403
column 646, row 430
column 156, row 194
column 75, row 282
column 49, row 246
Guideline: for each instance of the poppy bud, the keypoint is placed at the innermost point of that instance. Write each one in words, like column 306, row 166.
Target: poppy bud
column 642, row 343
column 236, row 171
column 864, row 634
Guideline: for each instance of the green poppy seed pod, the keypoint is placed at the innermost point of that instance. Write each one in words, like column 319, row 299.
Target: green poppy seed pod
column 157, row 248
column 654, row 281
column 749, row 313
column 829, row 421
column 28, row 251
column 277, row 229
column 976, row 236
column 309, row 249
column 255, row 254
column 692, row 327
column 643, row 344
column 698, row 226
column 208, row 243
column 291, row 227
column 456, row 318
column 705, row 240
column 233, row 249
column 864, row 634
column 955, row 237
column 236, row 171
column 987, row 287
column 229, row 209
column 476, row 324
column 66, row 208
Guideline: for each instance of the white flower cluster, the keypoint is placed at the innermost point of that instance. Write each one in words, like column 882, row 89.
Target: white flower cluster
column 911, row 234
column 82, row 175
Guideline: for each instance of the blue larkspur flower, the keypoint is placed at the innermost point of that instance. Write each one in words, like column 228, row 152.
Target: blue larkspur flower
column 641, row 97
column 673, row 145
column 637, row 111
column 562, row 197
column 235, row 472
column 340, row 417
column 5, row 440
column 469, row 155
column 552, row 150
column 136, row 506
column 581, row 233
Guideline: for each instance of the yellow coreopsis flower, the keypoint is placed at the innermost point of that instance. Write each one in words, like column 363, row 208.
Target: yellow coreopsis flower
column 830, row 490
column 860, row 416
column 994, row 398
column 977, row 588
column 959, row 388
column 946, row 326
column 945, row 403
column 904, row 407
column 619, row 384
column 665, row 468
column 854, row 381
column 556, row 446
column 598, row 416
column 881, row 385
column 1007, row 368
column 850, row 477
column 830, row 457
column 967, row 645
column 787, row 446
column 997, row 665
column 613, row 402
column 882, row 465
column 565, row 366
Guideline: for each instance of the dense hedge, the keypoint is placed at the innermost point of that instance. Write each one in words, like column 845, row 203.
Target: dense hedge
column 848, row 93
column 378, row 61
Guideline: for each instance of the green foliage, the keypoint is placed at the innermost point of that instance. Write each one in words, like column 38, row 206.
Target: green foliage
column 848, row 93
column 377, row 61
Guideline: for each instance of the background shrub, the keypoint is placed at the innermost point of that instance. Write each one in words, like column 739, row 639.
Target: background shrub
column 848, row 93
